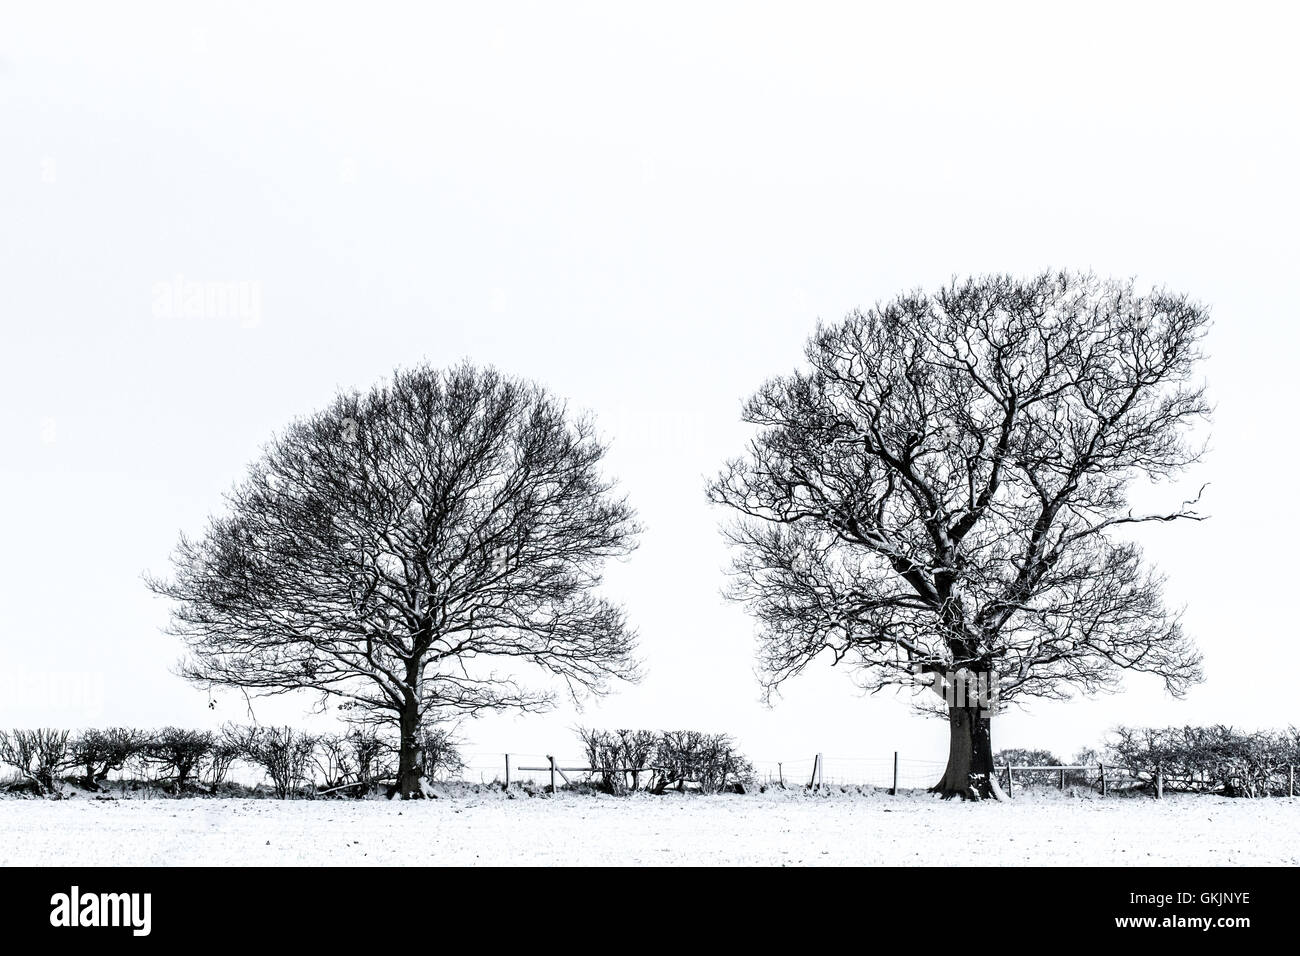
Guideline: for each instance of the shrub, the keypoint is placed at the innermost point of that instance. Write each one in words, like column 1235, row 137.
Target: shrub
column 1215, row 759
column 710, row 761
column 1019, row 757
column 96, row 752
column 38, row 755
column 228, row 745
column 372, row 756
column 355, row 760
column 441, row 750
column 334, row 760
column 707, row 762
column 284, row 753
column 605, row 755
column 179, row 752
column 1090, row 759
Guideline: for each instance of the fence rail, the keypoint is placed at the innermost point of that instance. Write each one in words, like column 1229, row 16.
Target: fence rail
column 894, row 772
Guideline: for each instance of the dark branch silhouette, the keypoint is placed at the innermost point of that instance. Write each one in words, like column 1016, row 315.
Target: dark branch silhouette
column 410, row 552
column 939, row 495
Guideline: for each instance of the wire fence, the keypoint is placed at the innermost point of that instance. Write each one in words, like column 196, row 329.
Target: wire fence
column 894, row 772
column 829, row 770
column 824, row 770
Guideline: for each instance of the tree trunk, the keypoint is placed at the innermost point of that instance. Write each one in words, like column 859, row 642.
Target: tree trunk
column 970, row 773
column 409, row 770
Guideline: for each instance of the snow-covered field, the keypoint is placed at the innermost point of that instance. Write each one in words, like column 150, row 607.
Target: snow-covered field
column 793, row 827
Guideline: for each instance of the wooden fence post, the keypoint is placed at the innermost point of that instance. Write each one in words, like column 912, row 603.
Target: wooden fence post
column 1290, row 779
column 893, row 791
column 507, row 771
column 1102, row 766
column 552, row 760
column 780, row 773
column 1160, row 782
column 812, row 781
column 1011, row 780
column 821, row 771
column 1062, row 786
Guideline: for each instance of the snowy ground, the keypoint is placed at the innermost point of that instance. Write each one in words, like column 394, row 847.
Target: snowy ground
column 793, row 827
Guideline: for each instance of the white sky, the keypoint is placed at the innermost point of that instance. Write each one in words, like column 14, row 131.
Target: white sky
column 646, row 209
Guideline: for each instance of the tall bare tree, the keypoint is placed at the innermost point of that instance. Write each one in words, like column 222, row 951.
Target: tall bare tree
column 411, row 552
column 942, row 495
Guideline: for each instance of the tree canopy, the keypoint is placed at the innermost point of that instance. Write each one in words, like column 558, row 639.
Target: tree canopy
column 945, row 487
column 410, row 552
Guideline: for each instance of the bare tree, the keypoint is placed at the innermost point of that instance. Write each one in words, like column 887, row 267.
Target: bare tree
column 228, row 745
column 180, row 753
column 97, row 752
column 336, row 761
column 284, row 753
column 409, row 551
column 37, row 755
column 941, row 496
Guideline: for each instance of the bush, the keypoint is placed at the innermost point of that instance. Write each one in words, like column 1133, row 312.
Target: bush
column 707, row 762
column 372, row 755
column 356, row 760
column 710, row 761
column 1090, row 759
column 620, row 757
column 1214, row 759
column 97, row 752
column 284, row 753
column 228, row 745
column 38, row 755
column 179, row 753
column 333, row 759
column 183, row 759
column 441, row 752
column 1019, row 757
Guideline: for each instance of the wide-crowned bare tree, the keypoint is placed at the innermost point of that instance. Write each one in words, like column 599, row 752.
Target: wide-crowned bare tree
column 413, row 551
column 942, row 495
